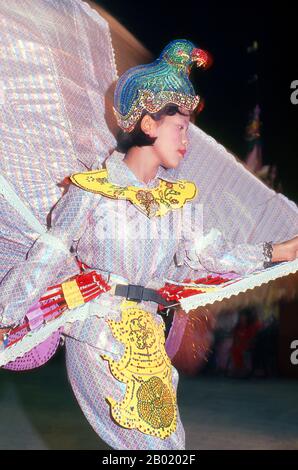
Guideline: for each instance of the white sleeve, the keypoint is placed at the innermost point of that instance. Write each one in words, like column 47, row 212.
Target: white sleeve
column 216, row 254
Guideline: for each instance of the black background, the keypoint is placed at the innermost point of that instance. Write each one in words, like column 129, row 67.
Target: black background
column 226, row 30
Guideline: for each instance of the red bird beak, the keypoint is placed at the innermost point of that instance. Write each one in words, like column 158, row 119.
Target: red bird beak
column 202, row 58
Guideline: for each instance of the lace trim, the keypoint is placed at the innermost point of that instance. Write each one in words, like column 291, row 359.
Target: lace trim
column 102, row 307
column 37, row 336
column 243, row 284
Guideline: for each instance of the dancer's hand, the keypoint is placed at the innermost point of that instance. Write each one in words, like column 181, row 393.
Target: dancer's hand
column 2, row 332
column 285, row 251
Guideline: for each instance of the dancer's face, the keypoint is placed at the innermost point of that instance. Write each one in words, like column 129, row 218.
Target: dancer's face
column 171, row 143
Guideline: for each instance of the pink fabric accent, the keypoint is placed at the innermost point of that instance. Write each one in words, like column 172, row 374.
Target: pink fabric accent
column 176, row 333
column 34, row 316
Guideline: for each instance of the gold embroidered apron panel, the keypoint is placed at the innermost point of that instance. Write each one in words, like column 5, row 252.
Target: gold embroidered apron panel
column 149, row 403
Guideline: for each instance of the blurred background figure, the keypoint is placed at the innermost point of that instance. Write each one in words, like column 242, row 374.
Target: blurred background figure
column 244, row 334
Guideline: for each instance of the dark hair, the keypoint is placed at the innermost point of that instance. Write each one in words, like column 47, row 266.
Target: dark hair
column 126, row 140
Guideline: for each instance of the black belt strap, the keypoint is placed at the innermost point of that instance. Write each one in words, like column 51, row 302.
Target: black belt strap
column 139, row 293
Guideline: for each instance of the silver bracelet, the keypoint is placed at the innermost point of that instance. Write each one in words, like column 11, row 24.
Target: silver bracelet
column 267, row 252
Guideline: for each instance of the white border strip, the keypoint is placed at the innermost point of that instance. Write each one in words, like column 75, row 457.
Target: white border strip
column 249, row 282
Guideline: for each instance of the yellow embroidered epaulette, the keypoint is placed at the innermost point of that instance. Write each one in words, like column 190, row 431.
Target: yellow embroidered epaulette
column 152, row 202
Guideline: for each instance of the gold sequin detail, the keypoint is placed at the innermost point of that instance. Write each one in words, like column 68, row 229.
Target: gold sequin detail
column 155, row 403
column 153, row 102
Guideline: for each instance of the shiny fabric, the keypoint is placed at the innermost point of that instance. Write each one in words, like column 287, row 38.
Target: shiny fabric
column 57, row 64
column 113, row 236
column 94, row 226
column 92, row 381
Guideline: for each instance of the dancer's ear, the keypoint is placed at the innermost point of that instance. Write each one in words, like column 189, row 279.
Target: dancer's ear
column 148, row 125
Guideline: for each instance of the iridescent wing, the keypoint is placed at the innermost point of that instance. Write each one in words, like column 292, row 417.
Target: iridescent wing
column 57, row 65
column 231, row 198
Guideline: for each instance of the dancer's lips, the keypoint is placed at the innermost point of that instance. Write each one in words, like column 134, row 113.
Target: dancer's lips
column 182, row 152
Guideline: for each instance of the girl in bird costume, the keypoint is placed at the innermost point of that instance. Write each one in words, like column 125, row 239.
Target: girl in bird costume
column 164, row 216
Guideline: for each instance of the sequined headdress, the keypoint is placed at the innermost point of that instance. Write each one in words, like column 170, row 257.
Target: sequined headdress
column 151, row 86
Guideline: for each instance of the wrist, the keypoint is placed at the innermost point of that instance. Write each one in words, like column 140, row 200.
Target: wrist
column 279, row 252
column 268, row 249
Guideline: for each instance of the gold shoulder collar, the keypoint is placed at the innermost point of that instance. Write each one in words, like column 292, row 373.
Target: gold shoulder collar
column 152, row 202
